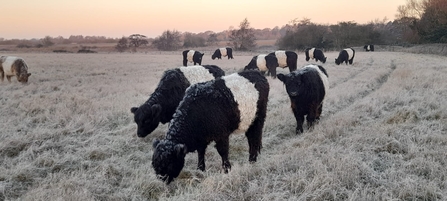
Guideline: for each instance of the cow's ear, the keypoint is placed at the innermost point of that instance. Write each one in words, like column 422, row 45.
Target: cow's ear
column 281, row 77
column 155, row 142
column 133, row 109
column 156, row 109
column 181, row 150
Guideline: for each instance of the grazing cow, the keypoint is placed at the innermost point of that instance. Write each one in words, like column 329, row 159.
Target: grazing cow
column 263, row 63
column 223, row 52
column 369, row 48
column 14, row 66
column 162, row 103
column 306, row 88
column 346, row 55
column 314, row 53
column 192, row 56
column 211, row 111
column 286, row 59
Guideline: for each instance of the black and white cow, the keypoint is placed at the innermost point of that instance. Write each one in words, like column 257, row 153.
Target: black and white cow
column 346, row 55
column 263, row 63
column 211, row 111
column 162, row 103
column 307, row 88
column 369, row 48
column 223, row 52
column 314, row 53
column 192, row 56
column 286, row 59
column 14, row 66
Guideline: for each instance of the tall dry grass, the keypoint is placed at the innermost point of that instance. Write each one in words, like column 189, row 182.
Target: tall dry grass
column 69, row 135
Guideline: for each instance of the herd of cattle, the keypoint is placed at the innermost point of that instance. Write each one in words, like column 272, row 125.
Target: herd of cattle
column 203, row 105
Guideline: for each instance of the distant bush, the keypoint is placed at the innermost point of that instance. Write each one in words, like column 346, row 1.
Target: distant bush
column 23, row 46
column 61, row 51
column 86, row 51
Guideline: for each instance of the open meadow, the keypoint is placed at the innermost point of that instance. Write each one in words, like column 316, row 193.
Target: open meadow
column 68, row 134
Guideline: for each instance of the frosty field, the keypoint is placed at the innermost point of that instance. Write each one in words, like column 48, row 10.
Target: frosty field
column 69, row 134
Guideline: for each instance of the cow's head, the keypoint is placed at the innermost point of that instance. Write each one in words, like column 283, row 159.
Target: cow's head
column 23, row 77
column 199, row 58
column 337, row 61
column 214, row 56
column 168, row 159
column 147, row 118
column 293, row 82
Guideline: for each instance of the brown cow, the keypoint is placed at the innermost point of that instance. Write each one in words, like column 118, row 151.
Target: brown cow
column 13, row 66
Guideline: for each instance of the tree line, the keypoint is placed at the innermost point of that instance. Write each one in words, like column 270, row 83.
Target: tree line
column 418, row 21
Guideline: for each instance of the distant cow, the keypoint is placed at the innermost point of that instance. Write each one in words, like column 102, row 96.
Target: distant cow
column 192, row 56
column 263, row 63
column 223, row 52
column 314, row 53
column 161, row 104
column 369, row 48
column 14, row 66
column 307, row 88
column 346, row 55
column 286, row 59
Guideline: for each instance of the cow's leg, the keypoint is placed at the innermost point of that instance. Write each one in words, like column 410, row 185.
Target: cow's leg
column 222, row 147
column 299, row 119
column 8, row 77
column 272, row 70
column 320, row 109
column 201, row 158
column 350, row 61
column 185, row 62
column 312, row 115
column 2, row 75
column 254, row 138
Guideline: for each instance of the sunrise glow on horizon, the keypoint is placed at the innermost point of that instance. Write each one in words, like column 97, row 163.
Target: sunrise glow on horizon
column 27, row 19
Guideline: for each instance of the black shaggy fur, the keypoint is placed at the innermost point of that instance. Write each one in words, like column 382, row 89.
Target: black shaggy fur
column 197, row 58
column 306, row 91
column 291, row 59
column 218, row 54
column 162, row 103
column 208, row 113
column 343, row 56
column 271, row 64
column 318, row 55
column 369, row 48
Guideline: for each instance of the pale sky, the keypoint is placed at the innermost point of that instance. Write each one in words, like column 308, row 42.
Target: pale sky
column 26, row 19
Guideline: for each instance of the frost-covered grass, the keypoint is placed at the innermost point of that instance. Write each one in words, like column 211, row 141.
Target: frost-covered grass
column 69, row 135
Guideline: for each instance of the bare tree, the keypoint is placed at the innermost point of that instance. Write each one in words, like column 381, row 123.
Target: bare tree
column 193, row 40
column 244, row 37
column 412, row 9
column 137, row 40
column 122, row 44
column 47, row 41
column 212, row 39
column 169, row 40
